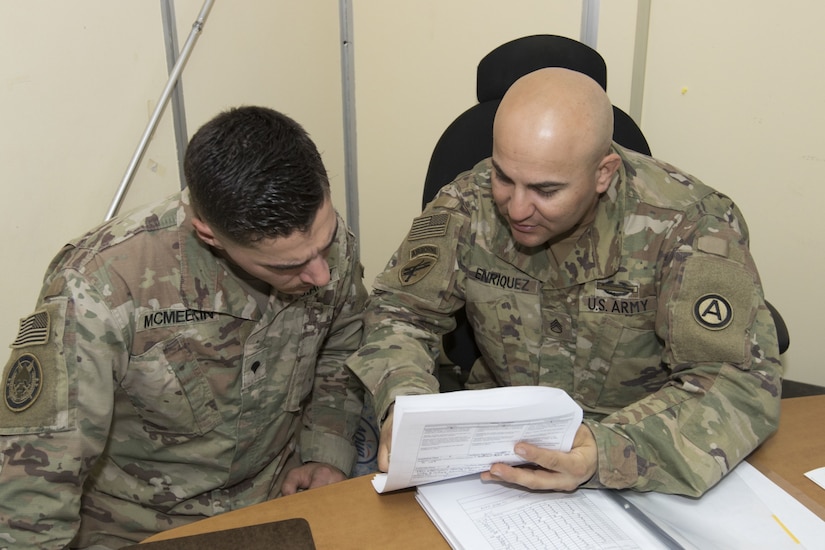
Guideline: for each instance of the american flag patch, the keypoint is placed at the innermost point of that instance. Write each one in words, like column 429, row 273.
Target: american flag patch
column 429, row 226
column 34, row 330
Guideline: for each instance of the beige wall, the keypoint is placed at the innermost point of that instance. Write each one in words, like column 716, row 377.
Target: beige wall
column 736, row 99
column 415, row 72
column 731, row 95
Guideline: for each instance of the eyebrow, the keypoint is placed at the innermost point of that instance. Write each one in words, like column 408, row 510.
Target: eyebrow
column 305, row 262
column 541, row 185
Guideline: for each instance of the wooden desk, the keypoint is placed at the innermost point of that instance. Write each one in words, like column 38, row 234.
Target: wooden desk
column 351, row 515
column 798, row 446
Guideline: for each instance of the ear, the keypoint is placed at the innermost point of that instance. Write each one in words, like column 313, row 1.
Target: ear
column 604, row 173
column 205, row 233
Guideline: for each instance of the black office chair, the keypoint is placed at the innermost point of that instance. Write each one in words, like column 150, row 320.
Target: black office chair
column 469, row 139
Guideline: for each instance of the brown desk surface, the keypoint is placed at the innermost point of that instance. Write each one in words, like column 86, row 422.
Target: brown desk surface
column 351, row 515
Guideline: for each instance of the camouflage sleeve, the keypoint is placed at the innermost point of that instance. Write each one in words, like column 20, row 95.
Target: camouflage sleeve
column 331, row 418
column 412, row 305
column 722, row 398
column 58, row 400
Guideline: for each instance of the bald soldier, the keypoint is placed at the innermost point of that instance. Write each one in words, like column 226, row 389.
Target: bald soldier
column 591, row 268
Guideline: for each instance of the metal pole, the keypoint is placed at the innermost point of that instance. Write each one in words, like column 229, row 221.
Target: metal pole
column 590, row 23
column 637, row 82
column 348, row 90
column 170, row 35
column 197, row 27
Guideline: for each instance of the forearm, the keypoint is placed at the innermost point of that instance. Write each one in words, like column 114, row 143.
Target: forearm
column 395, row 360
column 686, row 437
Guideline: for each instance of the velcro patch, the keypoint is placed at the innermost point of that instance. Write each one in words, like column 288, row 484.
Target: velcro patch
column 713, row 311
column 428, row 249
column 23, row 383
column 176, row 317
column 617, row 289
column 416, row 269
column 427, row 227
column 35, row 379
column 713, row 245
column 33, row 331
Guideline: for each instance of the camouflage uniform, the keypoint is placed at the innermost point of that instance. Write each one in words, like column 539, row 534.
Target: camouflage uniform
column 153, row 386
column 655, row 322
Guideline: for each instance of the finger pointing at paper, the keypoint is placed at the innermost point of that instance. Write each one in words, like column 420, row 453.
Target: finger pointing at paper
column 549, row 469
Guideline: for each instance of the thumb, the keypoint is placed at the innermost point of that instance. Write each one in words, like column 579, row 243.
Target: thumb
column 385, row 444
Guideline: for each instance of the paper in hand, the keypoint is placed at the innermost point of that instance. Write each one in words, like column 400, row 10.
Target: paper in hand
column 448, row 435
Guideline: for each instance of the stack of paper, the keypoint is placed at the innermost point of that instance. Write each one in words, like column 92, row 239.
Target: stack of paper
column 448, row 435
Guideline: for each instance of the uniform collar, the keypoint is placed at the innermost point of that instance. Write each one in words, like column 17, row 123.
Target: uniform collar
column 206, row 285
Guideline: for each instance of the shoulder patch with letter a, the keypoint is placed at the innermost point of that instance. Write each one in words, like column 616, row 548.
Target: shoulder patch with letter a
column 713, row 312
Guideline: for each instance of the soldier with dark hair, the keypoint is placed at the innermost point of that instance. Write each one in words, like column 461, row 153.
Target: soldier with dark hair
column 187, row 359
column 588, row 267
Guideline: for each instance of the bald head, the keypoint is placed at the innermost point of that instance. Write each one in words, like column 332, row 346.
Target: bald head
column 555, row 110
column 551, row 155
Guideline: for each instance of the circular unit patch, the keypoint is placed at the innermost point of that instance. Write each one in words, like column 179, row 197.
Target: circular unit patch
column 23, row 383
column 713, row 312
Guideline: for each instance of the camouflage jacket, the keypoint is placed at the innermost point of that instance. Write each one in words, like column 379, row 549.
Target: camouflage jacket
column 149, row 389
column 655, row 322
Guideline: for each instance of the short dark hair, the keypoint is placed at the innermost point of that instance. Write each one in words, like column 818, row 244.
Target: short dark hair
column 254, row 173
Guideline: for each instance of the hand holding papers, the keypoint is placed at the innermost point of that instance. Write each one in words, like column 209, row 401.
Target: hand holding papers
column 448, row 435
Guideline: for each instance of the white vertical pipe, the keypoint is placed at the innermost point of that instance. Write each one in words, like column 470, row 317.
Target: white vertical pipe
column 637, row 82
column 589, row 32
column 170, row 35
column 350, row 134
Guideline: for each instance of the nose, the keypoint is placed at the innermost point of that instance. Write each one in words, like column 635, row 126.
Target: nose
column 519, row 205
column 316, row 272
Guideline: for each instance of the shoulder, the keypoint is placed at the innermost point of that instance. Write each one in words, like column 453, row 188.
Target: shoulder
column 467, row 193
column 344, row 260
column 344, row 249
column 148, row 218
column 148, row 221
column 661, row 184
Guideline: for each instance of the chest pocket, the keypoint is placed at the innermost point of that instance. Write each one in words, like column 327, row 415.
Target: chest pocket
column 169, row 391
column 507, row 328
column 314, row 321
column 618, row 359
